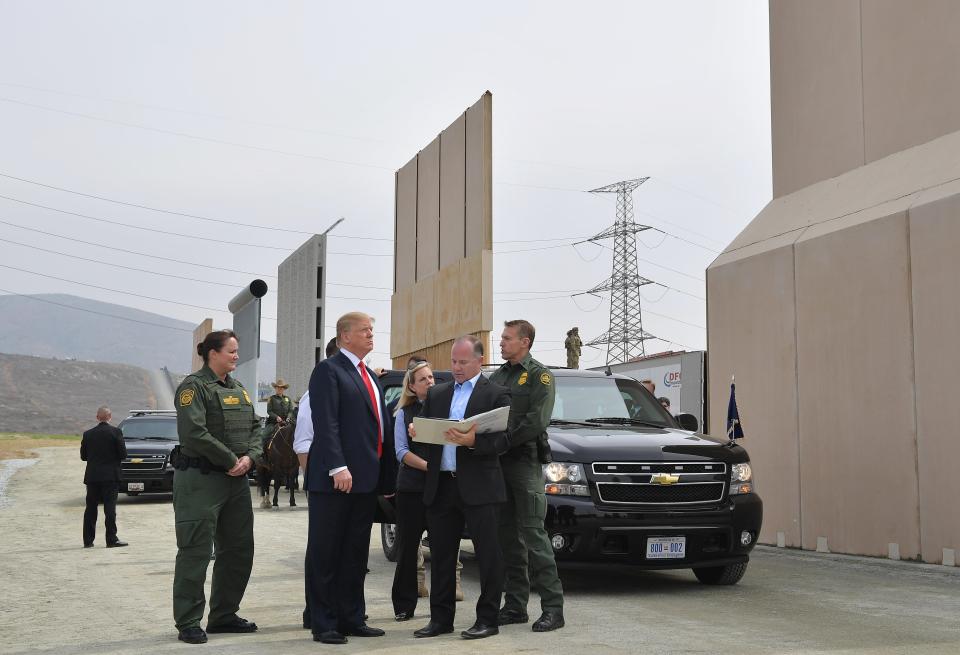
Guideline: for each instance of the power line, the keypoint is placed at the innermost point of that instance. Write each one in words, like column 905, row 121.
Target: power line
column 135, row 252
column 91, row 311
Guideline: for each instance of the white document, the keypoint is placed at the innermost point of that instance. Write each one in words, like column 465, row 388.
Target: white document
column 431, row 430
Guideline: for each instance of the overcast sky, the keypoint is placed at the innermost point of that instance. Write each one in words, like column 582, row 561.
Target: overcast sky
column 292, row 114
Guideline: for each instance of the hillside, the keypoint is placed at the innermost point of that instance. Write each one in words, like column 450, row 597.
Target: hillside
column 71, row 327
column 53, row 396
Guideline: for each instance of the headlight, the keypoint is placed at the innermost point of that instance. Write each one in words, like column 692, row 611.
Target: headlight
column 741, row 479
column 562, row 472
column 563, row 479
column 741, row 473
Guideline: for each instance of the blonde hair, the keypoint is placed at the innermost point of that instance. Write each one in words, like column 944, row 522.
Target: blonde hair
column 408, row 397
column 346, row 322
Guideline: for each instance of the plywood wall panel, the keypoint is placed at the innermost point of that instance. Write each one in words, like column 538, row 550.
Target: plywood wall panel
column 857, row 424
column 428, row 210
column 452, row 192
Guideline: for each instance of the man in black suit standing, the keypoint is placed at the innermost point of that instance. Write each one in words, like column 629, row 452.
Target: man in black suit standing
column 464, row 484
column 343, row 469
column 102, row 448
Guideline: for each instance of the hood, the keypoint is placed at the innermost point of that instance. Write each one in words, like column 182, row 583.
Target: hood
column 148, row 447
column 633, row 444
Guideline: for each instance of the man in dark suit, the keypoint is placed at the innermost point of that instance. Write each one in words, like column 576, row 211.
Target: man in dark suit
column 343, row 469
column 464, row 484
column 102, row 448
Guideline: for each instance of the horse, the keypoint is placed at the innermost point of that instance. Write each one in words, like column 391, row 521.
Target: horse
column 279, row 464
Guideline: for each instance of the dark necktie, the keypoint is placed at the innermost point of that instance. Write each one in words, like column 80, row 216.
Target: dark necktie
column 373, row 401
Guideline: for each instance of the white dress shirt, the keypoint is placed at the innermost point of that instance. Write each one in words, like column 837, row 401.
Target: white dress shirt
column 303, row 434
column 356, row 366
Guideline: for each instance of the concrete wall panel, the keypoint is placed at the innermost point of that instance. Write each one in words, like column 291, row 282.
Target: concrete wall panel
column 447, row 299
column 452, row 192
column 935, row 268
column 423, row 327
column 428, row 210
column 476, row 307
column 911, row 81
column 405, row 242
column 815, row 91
column 479, row 177
column 857, row 425
column 750, row 327
column 401, row 321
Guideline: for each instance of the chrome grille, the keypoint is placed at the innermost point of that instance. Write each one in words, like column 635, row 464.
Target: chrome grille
column 634, row 483
column 646, row 494
column 136, row 463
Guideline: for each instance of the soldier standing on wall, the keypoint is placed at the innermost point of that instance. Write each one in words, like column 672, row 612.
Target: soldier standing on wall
column 211, row 496
column 523, row 538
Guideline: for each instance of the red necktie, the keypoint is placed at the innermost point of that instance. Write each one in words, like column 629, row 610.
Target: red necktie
column 373, row 401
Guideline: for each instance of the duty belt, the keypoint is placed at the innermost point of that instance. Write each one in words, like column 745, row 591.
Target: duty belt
column 182, row 462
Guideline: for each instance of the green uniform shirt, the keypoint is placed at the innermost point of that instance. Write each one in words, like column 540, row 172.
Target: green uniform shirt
column 216, row 419
column 279, row 406
column 532, row 394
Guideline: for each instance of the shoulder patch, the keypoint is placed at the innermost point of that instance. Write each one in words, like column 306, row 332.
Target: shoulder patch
column 523, row 378
column 545, row 379
column 186, row 397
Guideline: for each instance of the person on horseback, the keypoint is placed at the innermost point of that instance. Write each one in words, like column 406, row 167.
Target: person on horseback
column 279, row 410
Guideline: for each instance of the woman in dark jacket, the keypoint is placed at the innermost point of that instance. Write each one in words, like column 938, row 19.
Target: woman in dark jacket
column 408, row 581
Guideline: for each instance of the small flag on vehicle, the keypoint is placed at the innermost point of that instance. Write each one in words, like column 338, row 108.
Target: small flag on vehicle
column 734, row 429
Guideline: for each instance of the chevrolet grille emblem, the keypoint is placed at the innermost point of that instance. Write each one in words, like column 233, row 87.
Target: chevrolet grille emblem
column 664, row 478
column 136, row 460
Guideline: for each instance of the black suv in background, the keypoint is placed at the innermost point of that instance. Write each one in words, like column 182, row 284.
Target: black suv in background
column 631, row 483
column 149, row 435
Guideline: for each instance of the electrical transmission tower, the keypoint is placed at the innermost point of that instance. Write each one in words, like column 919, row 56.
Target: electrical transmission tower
column 624, row 339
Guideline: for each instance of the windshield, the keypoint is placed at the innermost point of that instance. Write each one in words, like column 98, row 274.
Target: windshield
column 580, row 399
column 150, row 428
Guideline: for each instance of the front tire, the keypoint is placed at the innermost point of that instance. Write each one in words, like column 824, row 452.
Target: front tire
column 388, row 538
column 721, row 575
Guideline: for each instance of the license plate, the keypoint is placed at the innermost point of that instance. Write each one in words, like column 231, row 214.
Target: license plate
column 134, row 486
column 666, row 547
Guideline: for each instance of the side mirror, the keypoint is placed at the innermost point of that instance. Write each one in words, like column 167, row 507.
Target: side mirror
column 688, row 422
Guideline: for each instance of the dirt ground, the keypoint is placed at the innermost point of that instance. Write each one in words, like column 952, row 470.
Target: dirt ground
column 15, row 445
column 61, row 598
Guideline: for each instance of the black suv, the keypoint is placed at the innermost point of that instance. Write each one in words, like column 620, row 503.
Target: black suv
column 631, row 483
column 150, row 435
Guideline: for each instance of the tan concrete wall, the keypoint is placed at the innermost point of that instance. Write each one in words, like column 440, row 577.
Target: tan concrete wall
column 857, row 423
column 852, row 81
column 935, row 272
column 199, row 334
column 443, row 269
column 815, row 91
column 750, row 332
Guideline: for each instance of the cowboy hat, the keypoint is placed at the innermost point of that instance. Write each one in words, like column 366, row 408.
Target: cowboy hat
column 279, row 384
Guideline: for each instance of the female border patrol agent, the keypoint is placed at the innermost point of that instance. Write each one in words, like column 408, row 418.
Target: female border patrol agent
column 211, row 495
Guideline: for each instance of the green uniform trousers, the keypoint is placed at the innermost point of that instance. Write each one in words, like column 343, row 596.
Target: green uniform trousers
column 212, row 508
column 527, row 553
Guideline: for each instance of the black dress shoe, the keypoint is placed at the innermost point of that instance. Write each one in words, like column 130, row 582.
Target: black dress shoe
column 237, row 625
column 88, row 545
column 363, row 630
column 403, row 616
column 330, row 637
column 433, row 629
column 479, row 631
column 508, row 616
column 549, row 620
column 117, row 544
column 194, row 635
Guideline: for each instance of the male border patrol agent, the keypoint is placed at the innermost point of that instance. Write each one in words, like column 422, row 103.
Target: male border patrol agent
column 279, row 410
column 523, row 538
column 211, row 495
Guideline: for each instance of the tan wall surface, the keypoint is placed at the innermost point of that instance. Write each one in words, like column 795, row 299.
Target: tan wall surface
column 405, row 226
column 857, row 426
column 199, row 334
column 815, row 91
column 755, row 296
column 935, row 268
column 479, row 187
column 428, row 210
column 452, row 192
column 439, row 355
column 911, row 78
